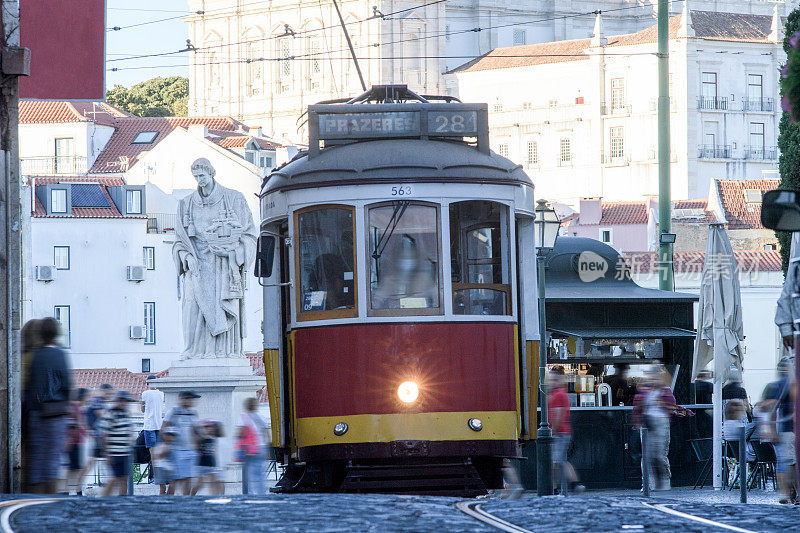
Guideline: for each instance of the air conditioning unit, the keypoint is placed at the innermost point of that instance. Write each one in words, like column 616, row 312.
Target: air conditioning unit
column 137, row 332
column 136, row 273
column 45, row 273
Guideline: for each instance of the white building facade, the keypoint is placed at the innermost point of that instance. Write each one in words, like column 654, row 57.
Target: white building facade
column 265, row 63
column 581, row 115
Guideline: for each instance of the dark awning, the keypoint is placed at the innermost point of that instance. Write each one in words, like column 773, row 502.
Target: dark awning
column 625, row 333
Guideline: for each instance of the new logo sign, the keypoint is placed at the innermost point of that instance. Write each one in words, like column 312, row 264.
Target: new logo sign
column 591, row 266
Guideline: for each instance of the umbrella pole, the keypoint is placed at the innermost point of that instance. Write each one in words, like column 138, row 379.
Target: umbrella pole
column 717, row 425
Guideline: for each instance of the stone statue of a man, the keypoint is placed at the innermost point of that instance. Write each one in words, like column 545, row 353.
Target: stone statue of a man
column 215, row 247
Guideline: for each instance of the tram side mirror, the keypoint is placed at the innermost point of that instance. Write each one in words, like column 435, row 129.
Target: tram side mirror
column 265, row 256
column 780, row 210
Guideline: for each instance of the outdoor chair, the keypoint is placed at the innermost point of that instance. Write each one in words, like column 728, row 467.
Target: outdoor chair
column 732, row 447
column 704, row 455
column 765, row 462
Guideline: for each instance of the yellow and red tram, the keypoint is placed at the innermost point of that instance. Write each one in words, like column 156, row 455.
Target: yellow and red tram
column 395, row 254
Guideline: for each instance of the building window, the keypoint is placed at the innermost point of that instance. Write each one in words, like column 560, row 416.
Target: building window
column 325, row 259
column 771, row 246
column 145, row 137
column 65, row 155
column 497, row 108
column 250, row 156
column 755, row 88
column 134, row 197
column 61, row 257
column 503, row 150
column 58, row 200
column 149, row 322
column 255, row 69
column 266, row 161
column 519, row 37
column 61, row 313
column 533, row 153
column 145, row 366
column 606, row 235
column 149, row 257
column 617, row 93
column 480, row 258
column 617, row 143
column 708, row 91
column 757, row 136
column 527, row 106
column 404, row 263
column 284, row 65
column 314, row 64
column 565, row 152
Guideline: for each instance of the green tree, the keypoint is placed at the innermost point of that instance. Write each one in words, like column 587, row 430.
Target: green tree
column 788, row 143
column 158, row 97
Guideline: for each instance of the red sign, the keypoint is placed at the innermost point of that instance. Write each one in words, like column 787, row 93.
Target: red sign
column 67, row 39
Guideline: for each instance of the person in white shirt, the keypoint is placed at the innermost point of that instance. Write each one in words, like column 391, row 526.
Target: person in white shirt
column 153, row 409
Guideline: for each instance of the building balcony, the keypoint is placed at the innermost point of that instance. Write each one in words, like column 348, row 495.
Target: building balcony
column 766, row 105
column 712, row 102
column 615, row 159
column 761, row 153
column 161, row 222
column 609, row 108
column 712, row 151
column 74, row 164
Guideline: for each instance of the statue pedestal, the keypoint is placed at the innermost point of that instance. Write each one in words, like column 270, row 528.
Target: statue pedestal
column 223, row 384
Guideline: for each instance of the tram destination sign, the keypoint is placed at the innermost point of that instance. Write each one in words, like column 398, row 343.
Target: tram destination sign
column 384, row 124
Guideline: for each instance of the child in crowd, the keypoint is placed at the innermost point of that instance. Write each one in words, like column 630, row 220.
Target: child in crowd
column 208, row 472
column 118, row 437
column 162, row 460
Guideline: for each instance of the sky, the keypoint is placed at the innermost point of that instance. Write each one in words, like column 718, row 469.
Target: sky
column 156, row 37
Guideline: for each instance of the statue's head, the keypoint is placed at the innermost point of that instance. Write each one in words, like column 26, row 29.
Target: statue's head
column 203, row 172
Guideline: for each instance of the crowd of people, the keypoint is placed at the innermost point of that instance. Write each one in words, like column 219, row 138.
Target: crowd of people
column 67, row 430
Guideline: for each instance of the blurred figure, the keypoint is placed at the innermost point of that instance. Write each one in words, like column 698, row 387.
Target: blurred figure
column 734, row 390
column 734, row 424
column 118, row 438
column 208, row 473
column 653, row 407
column 255, row 436
column 558, row 414
column 76, row 435
column 96, row 410
column 153, row 409
column 622, row 390
column 161, row 457
column 29, row 341
column 46, row 402
column 183, row 419
column 703, row 388
column 780, row 405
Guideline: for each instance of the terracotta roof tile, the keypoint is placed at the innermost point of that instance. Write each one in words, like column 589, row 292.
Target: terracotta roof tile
column 55, row 111
column 706, row 25
column 739, row 213
column 79, row 212
column 119, row 149
column 615, row 213
column 749, row 261
column 706, row 217
column 119, row 378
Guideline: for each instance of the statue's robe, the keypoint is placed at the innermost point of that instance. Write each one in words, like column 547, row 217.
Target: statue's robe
column 213, row 298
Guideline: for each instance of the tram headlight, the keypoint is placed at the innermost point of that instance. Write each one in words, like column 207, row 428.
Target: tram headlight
column 475, row 424
column 408, row 392
column 340, row 429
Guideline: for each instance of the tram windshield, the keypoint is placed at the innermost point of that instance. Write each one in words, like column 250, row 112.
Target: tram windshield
column 404, row 259
column 325, row 261
column 479, row 250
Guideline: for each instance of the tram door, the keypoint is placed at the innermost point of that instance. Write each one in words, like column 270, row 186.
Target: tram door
column 286, row 319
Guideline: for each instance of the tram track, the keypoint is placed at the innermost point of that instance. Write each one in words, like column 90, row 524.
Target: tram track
column 13, row 506
column 474, row 510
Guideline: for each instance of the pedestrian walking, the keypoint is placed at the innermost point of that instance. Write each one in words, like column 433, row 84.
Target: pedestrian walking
column 184, row 420
column 46, row 404
column 780, row 405
column 96, row 410
column 558, row 414
column 254, row 437
column 161, row 455
column 29, row 341
column 653, row 408
column 118, row 438
column 153, row 409
column 208, row 472
column 76, row 434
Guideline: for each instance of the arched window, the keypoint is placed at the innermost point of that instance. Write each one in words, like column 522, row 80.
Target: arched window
column 284, row 65
column 255, row 69
column 314, row 64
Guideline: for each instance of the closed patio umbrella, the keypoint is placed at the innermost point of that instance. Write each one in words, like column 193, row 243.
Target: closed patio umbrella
column 719, row 326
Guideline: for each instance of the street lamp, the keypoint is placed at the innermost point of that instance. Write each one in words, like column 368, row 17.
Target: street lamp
column 547, row 226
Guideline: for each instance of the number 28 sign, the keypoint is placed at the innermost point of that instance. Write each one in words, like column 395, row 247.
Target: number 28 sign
column 459, row 122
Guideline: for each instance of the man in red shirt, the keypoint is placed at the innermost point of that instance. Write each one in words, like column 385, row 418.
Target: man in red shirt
column 559, row 418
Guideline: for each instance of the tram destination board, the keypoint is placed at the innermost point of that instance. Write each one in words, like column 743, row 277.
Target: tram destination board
column 384, row 124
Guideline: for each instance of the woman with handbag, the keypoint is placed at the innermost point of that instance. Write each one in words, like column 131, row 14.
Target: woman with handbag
column 47, row 405
column 251, row 448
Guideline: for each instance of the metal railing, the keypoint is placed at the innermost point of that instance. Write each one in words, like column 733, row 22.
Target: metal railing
column 764, row 153
column 73, row 164
column 758, row 104
column 712, row 102
column 713, row 151
column 609, row 108
column 161, row 222
column 608, row 159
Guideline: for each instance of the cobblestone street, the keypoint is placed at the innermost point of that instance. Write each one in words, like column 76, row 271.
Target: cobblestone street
column 591, row 512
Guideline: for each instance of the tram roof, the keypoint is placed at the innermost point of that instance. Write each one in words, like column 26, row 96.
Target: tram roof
column 396, row 160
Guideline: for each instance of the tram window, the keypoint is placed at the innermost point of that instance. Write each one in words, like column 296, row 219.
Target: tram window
column 325, row 263
column 479, row 249
column 403, row 259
